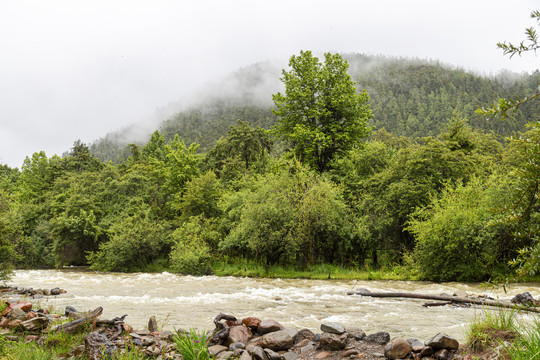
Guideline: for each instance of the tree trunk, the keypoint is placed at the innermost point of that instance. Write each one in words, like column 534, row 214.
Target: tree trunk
column 447, row 298
column 73, row 326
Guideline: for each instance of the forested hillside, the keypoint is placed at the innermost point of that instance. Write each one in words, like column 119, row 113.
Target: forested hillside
column 408, row 97
column 438, row 193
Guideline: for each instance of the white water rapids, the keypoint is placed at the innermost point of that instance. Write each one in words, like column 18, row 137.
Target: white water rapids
column 188, row 301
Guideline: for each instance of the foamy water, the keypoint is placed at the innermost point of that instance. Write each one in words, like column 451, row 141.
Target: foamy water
column 189, row 301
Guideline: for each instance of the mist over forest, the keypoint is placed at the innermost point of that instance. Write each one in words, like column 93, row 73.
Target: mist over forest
column 409, row 97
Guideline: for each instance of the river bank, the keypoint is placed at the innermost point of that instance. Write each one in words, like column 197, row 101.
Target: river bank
column 26, row 329
column 188, row 301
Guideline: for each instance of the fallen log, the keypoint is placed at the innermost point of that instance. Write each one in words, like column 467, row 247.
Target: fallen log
column 437, row 304
column 73, row 326
column 447, row 298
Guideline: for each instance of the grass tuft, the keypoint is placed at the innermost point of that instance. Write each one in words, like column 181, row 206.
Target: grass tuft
column 192, row 345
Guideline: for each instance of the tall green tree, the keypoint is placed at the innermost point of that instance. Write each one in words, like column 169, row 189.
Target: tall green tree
column 320, row 116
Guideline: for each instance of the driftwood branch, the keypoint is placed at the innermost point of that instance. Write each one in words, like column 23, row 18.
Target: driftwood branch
column 447, row 298
column 73, row 326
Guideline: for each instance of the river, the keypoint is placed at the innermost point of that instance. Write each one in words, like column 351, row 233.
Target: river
column 188, row 301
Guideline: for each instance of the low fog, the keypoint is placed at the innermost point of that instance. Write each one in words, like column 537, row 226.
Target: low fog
column 78, row 70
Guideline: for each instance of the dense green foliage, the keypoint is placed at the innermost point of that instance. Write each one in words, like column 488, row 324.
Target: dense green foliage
column 320, row 116
column 457, row 203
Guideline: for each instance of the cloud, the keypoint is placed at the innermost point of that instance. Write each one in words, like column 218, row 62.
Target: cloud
column 77, row 70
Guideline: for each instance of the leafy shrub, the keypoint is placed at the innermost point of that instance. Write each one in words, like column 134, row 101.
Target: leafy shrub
column 191, row 253
column 136, row 242
column 291, row 216
column 456, row 238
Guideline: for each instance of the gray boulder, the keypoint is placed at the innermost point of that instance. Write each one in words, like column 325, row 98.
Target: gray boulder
column 442, row 341
column 272, row 355
column 216, row 349
column 35, row 324
column 333, row 328
column 381, row 338
column 257, row 352
column 356, row 333
column 97, row 346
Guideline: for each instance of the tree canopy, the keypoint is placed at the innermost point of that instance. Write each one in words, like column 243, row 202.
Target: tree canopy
column 320, row 116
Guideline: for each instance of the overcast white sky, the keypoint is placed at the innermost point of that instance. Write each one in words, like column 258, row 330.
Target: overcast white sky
column 74, row 69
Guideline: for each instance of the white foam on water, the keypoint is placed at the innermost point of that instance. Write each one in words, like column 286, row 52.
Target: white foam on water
column 193, row 301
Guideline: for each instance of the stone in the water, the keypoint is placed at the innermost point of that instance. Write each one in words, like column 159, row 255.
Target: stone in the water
column 56, row 291
column 442, row 341
column 525, row 298
column 152, row 324
column 460, row 293
column 397, row 348
column 331, row 341
column 356, row 333
column 381, row 338
column 268, row 326
column 333, row 328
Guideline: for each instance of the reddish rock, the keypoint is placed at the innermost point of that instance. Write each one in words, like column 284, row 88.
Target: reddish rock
column 231, row 323
column 23, row 305
column 277, row 340
column 251, row 322
column 268, row 326
column 30, row 315
column 237, row 334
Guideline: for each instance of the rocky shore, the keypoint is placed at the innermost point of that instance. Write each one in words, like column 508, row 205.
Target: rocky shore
column 247, row 339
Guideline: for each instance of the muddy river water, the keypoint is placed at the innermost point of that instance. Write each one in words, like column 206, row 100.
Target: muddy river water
column 188, row 301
